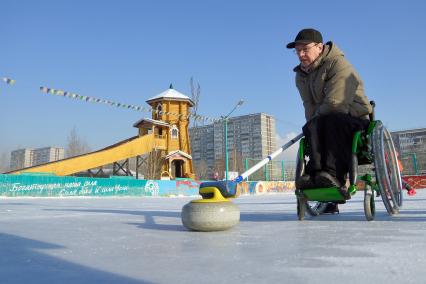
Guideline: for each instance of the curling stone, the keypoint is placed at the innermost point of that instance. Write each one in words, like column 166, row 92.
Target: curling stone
column 214, row 212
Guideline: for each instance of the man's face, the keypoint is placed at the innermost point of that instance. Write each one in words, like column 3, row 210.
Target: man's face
column 308, row 53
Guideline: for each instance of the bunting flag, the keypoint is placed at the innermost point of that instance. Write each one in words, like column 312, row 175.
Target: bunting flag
column 111, row 103
column 8, row 81
column 120, row 105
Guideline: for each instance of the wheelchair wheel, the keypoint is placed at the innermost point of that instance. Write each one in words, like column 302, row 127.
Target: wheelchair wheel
column 369, row 206
column 386, row 168
column 301, row 208
column 398, row 192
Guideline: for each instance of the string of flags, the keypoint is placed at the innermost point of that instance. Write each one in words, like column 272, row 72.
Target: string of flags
column 111, row 103
column 8, row 80
column 121, row 105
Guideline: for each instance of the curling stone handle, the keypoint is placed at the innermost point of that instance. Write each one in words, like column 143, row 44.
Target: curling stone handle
column 228, row 189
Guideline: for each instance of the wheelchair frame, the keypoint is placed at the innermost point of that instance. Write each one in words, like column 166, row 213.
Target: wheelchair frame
column 373, row 146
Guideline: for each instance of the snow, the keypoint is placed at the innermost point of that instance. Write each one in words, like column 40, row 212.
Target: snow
column 171, row 94
column 142, row 240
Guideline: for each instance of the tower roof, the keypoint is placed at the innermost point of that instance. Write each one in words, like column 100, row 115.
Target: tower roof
column 171, row 95
column 149, row 121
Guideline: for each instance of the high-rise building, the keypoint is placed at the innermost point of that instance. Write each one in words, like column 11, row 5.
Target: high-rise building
column 21, row 158
column 250, row 136
column 46, row 155
column 411, row 146
column 24, row 158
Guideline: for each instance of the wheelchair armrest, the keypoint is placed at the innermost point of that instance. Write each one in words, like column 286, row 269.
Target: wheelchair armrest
column 371, row 115
column 363, row 147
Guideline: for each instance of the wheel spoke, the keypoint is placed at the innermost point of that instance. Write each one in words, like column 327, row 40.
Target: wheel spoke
column 386, row 168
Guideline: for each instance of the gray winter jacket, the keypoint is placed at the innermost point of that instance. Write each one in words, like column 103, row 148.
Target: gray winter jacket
column 332, row 85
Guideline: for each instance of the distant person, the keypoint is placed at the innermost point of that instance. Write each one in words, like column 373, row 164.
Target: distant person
column 335, row 108
column 410, row 191
column 216, row 176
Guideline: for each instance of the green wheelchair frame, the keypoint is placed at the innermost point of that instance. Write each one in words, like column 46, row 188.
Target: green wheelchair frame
column 371, row 147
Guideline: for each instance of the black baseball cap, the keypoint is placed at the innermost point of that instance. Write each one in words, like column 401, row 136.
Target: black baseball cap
column 306, row 36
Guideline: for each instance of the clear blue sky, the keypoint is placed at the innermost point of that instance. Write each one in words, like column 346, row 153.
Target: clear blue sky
column 129, row 51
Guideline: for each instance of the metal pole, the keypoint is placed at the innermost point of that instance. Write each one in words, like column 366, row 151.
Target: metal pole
column 265, row 172
column 246, row 166
column 240, row 102
column 226, row 148
column 416, row 170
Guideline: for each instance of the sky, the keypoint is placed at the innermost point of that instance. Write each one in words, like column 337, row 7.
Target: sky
column 129, row 51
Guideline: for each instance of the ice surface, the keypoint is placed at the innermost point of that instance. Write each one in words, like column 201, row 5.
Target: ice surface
column 142, row 240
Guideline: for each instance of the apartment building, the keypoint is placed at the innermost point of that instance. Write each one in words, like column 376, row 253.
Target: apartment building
column 250, row 136
column 23, row 158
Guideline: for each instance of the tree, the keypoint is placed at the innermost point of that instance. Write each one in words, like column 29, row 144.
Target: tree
column 237, row 161
column 4, row 163
column 195, row 96
column 202, row 171
column 75, row 145
column 153, row 162
column 219, row 167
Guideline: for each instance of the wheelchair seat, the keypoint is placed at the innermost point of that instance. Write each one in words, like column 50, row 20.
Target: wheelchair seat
column 362, row 154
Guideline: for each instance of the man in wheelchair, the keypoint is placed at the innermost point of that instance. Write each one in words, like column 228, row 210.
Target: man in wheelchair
column 335, row 108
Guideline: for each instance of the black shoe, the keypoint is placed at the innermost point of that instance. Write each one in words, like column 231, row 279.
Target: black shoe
column 304, row 182
column 332, row 207
column 324, row 179
column 344, row 191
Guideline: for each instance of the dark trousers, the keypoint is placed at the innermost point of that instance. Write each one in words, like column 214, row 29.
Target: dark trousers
column 329, row 140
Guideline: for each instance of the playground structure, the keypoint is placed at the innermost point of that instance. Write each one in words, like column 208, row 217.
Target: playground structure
column 166, row 131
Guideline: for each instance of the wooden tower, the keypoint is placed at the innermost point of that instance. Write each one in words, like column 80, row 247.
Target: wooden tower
column 170, row 122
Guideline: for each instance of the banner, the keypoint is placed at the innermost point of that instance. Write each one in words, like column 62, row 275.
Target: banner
column 46, row 185
column 416, row 182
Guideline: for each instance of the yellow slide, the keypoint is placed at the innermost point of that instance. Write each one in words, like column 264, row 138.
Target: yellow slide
column 128, row 148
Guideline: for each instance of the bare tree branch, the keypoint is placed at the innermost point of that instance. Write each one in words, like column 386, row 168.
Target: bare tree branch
column 75, row 145
column 4, row 162
column 202, row 171
column 151, row 169
column 195, row 96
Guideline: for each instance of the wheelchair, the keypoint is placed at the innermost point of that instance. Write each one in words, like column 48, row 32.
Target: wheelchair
column 372, row 148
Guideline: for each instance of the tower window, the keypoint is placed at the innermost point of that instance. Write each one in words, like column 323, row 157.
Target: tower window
column 159, row 111
column 174, row 132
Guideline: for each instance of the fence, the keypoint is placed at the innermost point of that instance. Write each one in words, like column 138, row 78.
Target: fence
column 413, row 163
column 272, row 171
column 45, row 185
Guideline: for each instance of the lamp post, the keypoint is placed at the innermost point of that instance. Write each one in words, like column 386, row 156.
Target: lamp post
column 240, row 102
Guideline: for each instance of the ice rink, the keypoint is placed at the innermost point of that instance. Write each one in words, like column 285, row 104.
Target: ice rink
column 142, row 240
